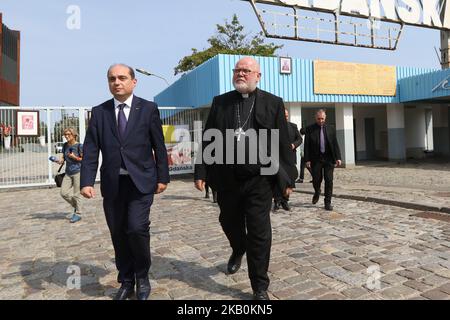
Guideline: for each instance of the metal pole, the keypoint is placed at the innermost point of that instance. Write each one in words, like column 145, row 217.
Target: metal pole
column 82, row 124
column 49, row 145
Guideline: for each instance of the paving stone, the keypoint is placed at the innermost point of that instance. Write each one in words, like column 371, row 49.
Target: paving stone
column 301, row 296
column 354, row 293
column 381, row 261
column 393, row 279
column 418, row 298
column 398, row 292
column 319, row 292
column 284, row 294
column 354, row 267
column 416, row 285
column 413, row 274
column 306, row 286
column 445, row 288
column 332, row 296
column 435, row 295
column 434, row 280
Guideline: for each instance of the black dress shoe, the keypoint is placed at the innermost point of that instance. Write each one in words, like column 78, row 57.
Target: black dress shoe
column 328, row 207
column 260, row 295
column 285, row 205
column 315, row 198
column 234, row 263
column 143, row 289
column 126, row 290
column 276, row 206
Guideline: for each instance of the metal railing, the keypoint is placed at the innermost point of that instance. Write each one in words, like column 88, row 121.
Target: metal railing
column 24, row 160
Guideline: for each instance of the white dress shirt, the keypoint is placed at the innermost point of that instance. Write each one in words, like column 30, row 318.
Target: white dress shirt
column 126, row 109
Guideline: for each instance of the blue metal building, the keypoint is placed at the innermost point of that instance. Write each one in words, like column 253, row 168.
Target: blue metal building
column 408, row 123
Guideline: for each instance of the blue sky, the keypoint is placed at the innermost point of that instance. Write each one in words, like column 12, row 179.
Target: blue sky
column 68, row 67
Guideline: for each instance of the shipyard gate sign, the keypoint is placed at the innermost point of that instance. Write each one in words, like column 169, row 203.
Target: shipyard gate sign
column 374, row 24
column 425, row 13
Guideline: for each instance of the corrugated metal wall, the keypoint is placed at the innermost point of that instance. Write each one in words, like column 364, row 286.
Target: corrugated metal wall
column 215, row 77
column 420, row 87
column 299, row 85
column 195, row 89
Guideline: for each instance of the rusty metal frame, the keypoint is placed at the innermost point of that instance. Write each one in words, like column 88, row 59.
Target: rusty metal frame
column 393, row 42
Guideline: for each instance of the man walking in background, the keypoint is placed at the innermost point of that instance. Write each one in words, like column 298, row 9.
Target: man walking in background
column 322, row 154
column 295, row 139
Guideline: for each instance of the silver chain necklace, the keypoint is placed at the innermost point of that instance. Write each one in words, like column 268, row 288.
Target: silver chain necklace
column 240, row 131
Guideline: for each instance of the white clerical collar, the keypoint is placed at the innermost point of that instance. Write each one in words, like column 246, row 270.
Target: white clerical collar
column 245, row 95
column 127, row 102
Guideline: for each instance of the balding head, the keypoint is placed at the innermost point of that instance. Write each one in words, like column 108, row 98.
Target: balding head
column 250, row 62
column 130, row 69
column 321, row 117
column 246, row 75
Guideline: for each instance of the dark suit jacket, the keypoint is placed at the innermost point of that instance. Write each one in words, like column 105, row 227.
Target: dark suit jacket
column 312, row 143
column 143, row 135
column 295, row 138
column 269, row 114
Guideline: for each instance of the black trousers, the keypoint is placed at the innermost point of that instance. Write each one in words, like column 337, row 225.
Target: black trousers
column 245, row 219
column 323, row 169
column 278, row 195
column 128, row 219
column 207, row 187
column 302, row 168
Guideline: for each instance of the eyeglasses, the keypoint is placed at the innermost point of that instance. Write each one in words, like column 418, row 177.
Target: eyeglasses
column 67, row 134
column 246, row 72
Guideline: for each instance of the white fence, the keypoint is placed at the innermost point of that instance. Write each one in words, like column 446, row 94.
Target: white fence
column 24, row 160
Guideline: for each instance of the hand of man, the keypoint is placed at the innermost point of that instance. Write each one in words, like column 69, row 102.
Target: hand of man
column 308, row 164
column 338, row 163
column 88, row 192
column 288, row 192
column 161, row 188
column 292, row 146
column 200, row 185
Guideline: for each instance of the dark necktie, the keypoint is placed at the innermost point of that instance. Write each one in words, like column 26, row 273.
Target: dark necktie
column 122, row 121
column 322, row 140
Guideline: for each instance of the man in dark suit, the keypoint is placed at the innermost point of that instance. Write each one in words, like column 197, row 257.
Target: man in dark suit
column 244, row 188
column 126, row 129
column 296, row 140
column 302, row 161
column 322, row 154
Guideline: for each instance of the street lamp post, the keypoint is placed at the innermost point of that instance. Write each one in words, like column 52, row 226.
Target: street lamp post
column 150, row 74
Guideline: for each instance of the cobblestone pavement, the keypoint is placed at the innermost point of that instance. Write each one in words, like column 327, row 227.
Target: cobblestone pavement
column 361, row 250
column 424, row 182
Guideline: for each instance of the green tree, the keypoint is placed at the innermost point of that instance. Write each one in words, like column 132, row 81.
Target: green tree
column 229, row 39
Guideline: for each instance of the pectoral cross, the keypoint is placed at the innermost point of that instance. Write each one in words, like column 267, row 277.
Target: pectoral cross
column 239, row 132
